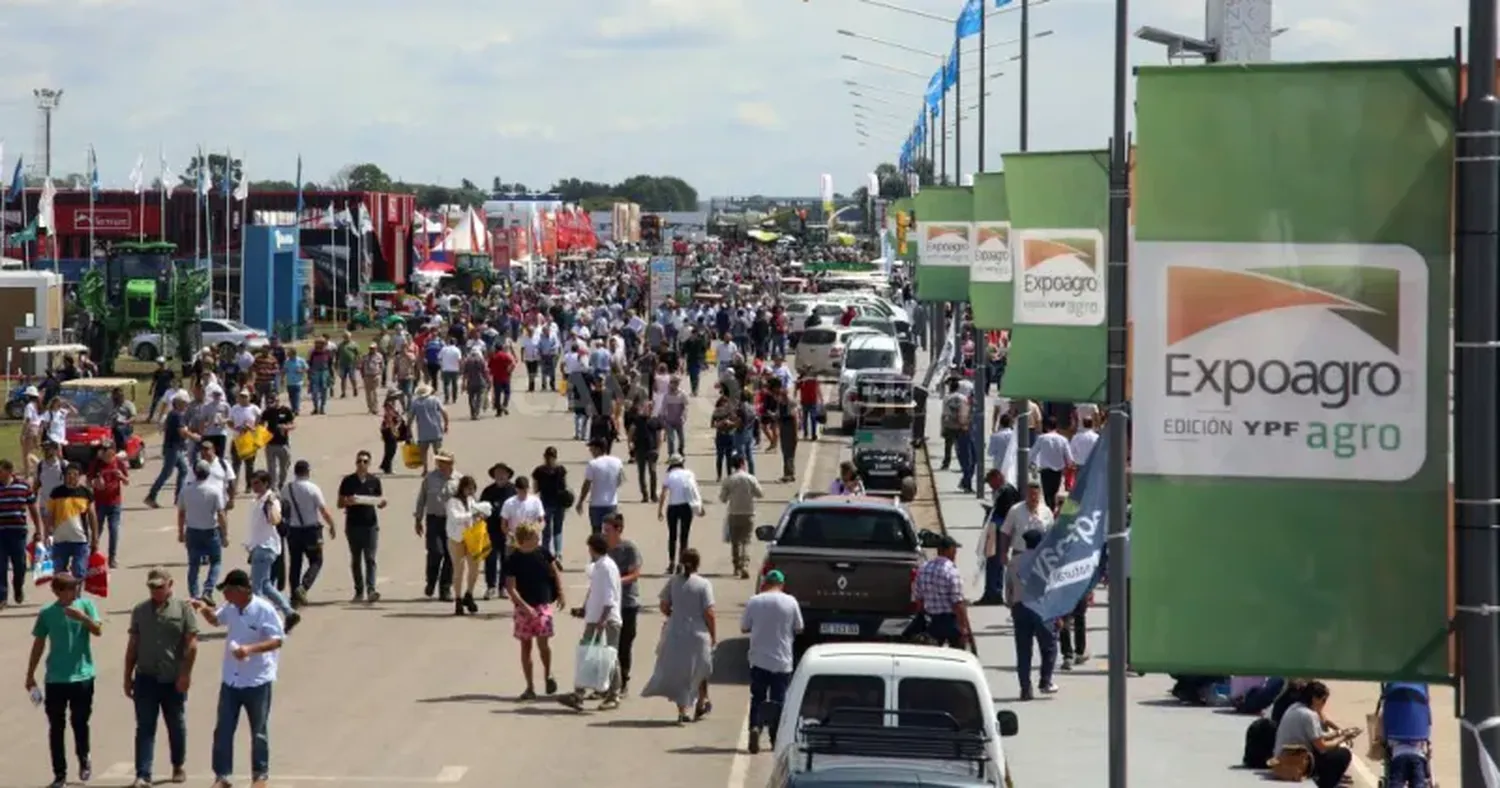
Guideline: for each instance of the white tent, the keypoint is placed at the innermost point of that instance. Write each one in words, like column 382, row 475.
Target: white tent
column 469, row 236
column 424, row 224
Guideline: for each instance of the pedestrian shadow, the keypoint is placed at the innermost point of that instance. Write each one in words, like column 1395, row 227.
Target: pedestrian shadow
column 1059, row 674
column 539, row 710
column 163, row 564
column 434, row 614
column 701, row 749
column 469, row 698
column 635, row 724
column 732, row 662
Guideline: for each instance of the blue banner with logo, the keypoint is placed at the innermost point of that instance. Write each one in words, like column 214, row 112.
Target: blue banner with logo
column 1064, row 567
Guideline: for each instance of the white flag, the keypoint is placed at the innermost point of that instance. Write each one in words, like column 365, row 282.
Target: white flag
column 242, row 190
column 168, row 181
column 365, row 227
column 44, row 217
column 874, row 187
column 138, row 175
column 330, row 219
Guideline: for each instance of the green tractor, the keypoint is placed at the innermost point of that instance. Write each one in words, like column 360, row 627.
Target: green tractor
column 140, row 288
column 474, row 273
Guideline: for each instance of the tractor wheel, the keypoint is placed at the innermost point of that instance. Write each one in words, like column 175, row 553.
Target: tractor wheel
column 15, row 410
column 147, row 352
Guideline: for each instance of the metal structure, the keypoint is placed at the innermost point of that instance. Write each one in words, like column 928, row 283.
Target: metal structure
column 140, row 287
column 47, row 102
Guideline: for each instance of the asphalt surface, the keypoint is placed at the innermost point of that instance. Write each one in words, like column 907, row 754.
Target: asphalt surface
column 402, row 693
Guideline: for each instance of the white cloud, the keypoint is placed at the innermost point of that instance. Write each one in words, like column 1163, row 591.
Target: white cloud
column 596, row 89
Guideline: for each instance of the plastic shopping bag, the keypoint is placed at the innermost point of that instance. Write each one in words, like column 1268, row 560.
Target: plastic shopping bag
column 41, row 563
column 595, row 664
column 477, row 540
column 246, row 445
column 411, row 455
column 97, row 581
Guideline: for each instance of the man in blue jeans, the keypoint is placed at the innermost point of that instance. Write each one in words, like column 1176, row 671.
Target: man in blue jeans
column 601, row 485
column 159, row 662
column 773, row 620
column 203, row 529
column 175, row 445
column 1031, row 631
column 252, row 645
column 17, row 503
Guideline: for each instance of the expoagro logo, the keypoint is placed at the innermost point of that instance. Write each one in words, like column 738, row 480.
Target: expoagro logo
column 946, row 243
column 1062, row 278
column 992, row 261
column 1316, row 370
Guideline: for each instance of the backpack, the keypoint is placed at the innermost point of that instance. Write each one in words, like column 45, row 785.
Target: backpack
column 1260, row 743
column 953, row 409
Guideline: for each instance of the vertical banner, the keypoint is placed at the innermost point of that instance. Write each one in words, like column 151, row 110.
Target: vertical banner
column 992, row 276
column 1291, row 348
column 945, row 232
column 825, row 194
column 1059, row 210
column 905, row 238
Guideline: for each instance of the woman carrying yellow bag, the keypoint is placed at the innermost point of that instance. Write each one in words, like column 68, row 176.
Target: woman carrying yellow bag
column 465, row 513
column 244, row 421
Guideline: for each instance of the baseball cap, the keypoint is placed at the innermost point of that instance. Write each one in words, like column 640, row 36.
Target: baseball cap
column 775, row 577
column 158, row 577
column 237, row 578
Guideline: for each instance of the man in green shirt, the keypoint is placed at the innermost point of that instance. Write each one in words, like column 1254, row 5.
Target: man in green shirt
column 158, row 671
column 65, row 630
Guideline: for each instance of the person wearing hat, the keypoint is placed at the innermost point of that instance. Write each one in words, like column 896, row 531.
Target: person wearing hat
column 279, row 421
column 253, row 637
column 772, row 619
column 429, row 422
column 939, row 592
column 431, row 519
column 159, row 661
column 372, row 369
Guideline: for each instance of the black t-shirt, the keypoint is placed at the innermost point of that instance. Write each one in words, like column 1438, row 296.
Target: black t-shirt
column 645, row 432
column 549, row 483
column 496, row 494
column 695, row 349
column 532, row 571
column 669, row 357
column 161, row 380
column 276, row 418
column 360, row 515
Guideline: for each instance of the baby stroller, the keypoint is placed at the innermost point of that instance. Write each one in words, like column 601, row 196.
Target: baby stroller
column 1406, row 732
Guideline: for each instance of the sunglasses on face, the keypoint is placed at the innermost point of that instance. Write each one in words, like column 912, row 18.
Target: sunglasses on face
column 362, row 460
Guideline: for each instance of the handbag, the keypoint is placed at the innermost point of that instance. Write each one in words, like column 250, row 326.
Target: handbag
column 566, row 498
column 1293, row 764
column 596, row 663
column 411, row 455
column 97, row 581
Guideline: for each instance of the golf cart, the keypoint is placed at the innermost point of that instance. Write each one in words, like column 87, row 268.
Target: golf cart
column 36, row 360
column 883, row 453
column 93, row 426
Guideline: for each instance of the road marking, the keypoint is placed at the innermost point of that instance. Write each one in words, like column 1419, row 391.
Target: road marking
column 739, row 766
column 449, row 775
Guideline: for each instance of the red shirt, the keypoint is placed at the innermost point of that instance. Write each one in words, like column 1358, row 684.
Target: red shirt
column 107, row 481
column 501, row 365
column 807, row 390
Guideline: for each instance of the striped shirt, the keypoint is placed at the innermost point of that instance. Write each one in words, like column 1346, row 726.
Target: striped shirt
column 15, row 500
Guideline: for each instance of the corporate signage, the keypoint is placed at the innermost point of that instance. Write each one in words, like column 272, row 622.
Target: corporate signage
column 992, row 261
column 946, row 244
column 1302, row 361
column 1062, row 278
column 114, row 220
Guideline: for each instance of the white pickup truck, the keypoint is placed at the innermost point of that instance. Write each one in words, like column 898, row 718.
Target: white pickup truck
column 854, row 707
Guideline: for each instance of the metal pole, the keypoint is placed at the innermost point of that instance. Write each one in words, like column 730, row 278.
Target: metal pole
column 981, row 422
column 943, row 143
column 932, row 150
column 981, row 93
column 958, row 115
column 1119, row 430
column 1474, row 425
column 1025, row 70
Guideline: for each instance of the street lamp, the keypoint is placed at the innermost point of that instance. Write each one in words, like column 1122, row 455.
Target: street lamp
column 865, row 86
column 877, row 99
column 885, row 66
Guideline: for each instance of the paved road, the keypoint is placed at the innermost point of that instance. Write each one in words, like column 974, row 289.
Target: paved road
column 401, row 693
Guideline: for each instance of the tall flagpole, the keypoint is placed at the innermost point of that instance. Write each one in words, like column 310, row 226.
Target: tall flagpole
column 165, row 187
column 228, row 186
column 242, row 191
column 25, row 224
column 198, row 211
column 93, row 184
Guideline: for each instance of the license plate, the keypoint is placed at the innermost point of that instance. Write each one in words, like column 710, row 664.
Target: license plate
column 838, row 628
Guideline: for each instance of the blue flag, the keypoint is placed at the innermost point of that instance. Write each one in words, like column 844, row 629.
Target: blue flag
column 93, row 174
column 1064, row 567
column 17, row 184
column 950, row 70
column 934, row 93
column 971, row 19
column 1001, row 3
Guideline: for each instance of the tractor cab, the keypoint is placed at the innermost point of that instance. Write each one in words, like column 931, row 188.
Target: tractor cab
column 473, row 273
column 138, row 277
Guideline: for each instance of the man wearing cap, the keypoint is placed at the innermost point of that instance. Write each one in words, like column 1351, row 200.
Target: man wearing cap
column 252, row 644
column 372, row 368
column 940, row 595
column 431, row 519
column 773, row 620
column 158, row 672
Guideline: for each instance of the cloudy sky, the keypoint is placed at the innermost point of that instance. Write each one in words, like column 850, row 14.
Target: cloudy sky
column 735, row 96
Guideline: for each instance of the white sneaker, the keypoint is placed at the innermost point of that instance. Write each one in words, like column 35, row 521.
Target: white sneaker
column 489, row 593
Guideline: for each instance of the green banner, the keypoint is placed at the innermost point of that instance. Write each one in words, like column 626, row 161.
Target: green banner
column 1059, row 211
column 991, row 277
column 1290, row 295
column 945, row 236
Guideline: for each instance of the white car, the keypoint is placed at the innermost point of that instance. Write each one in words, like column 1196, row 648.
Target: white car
column 927, row 690
column 217, row 334
column 867, row 353
column 820, row 352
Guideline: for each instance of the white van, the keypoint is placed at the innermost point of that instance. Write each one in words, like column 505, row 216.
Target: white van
column 874, row 704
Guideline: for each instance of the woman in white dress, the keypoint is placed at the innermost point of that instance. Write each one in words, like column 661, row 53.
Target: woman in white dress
column 659, row 385
column 463, row 509
column 685, row 660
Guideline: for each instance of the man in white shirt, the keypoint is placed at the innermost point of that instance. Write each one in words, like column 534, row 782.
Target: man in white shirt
column 521, row 508
column 773, row 620
column 243, row 418
column 264, row 544
column 305, row 511
column 1082, row 444
column 252, row 645
column 1051, row 455
column 601, row 620
column 1002, row 448
column 220, row 472
column 602, row 479
column 450, row 358
column 1028, row 515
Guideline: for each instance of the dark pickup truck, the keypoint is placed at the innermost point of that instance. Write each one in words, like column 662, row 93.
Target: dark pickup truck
column 850, row 562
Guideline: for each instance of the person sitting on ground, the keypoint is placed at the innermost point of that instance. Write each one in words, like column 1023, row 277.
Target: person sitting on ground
column 1304, row 727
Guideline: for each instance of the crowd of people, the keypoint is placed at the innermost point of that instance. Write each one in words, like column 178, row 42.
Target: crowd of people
column 229, row 457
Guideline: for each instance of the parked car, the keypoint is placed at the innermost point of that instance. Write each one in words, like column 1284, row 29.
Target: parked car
column 217, row 334
column 870, row 352
column 887, row 714
column 820, row 352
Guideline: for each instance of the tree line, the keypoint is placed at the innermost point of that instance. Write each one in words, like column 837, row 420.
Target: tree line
column 654, row 193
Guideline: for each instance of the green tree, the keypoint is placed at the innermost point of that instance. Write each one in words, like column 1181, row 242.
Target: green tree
column 368, row 177
column 219, row 166
column 272, row 186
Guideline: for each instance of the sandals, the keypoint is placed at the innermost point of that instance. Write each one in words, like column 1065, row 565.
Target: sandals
column 702, row 710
